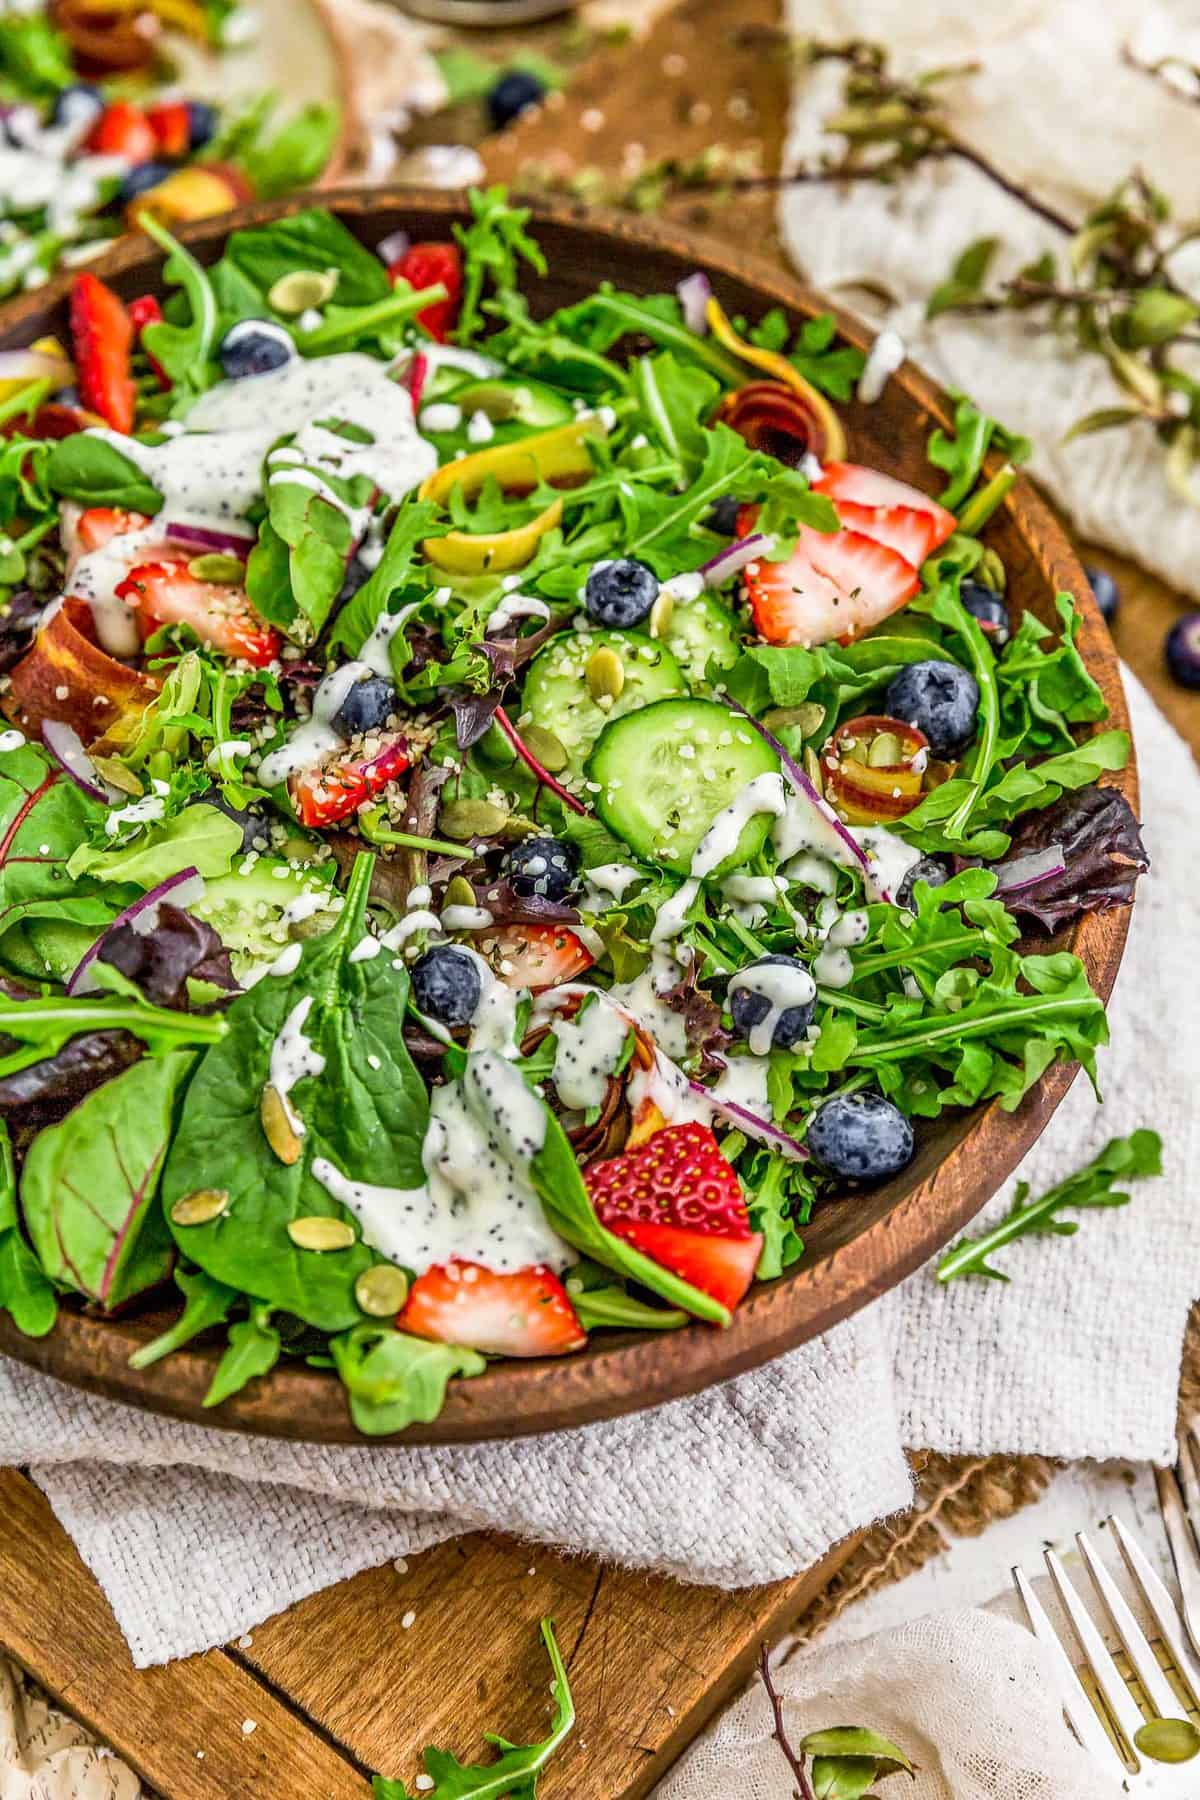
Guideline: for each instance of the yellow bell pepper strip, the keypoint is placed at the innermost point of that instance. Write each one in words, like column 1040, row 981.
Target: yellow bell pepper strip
column 777, row 365
column 558, row 456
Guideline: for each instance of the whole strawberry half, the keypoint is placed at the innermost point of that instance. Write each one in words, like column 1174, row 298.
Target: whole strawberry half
column 677, row 1200
column 102, row 340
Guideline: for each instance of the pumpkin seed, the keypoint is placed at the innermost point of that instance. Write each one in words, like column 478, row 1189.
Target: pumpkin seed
column 466, row 819
column 303, row 288
column 991, row 571
column 885, row 751
column 546, row 747
column 808, row 718
column 277, row 1125
column 113, row 770
column 517, row 827
column 459, row 892
column 812, row 768
column 852, row 750
column 382, row 1290
column 201, row 1207
column 321, row 1233
column 661, row 614
column 216, row 565
column 604, row 674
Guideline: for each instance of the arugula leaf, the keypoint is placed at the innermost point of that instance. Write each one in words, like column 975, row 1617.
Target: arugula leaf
column 676, row 398
column 294, row 156
column 832, row 367
column 305, row 241
column 414, row 522
column 1131, row 1158
column 393, row 1380
column 88, row 1184
column 254, row 1349
column 201, row 838
column 961, row 456
column 494, row 245
column 26, row 1294
column 607, row 316
column 780, row 1197
column 35, row 59
column 184, row 351
column 206, row 1303
column 1043, row 692
column 368, row 1109
column 94, row 472
column 596, row 1297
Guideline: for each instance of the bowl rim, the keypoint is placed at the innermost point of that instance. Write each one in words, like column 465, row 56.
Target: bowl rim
column 623, row 1372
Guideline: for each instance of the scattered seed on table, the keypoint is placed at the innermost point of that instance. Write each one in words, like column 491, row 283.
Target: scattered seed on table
column 249, row 1725
column 409, row 1619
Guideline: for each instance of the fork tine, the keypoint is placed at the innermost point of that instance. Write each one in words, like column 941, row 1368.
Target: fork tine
column 1160, row 1604
column 1119, row 1700
column 1079, row 1710
column 1183, row 1552
column 1157, row 1689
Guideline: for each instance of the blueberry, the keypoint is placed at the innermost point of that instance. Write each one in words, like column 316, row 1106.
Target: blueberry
column 356, row 574
column 446, row 984
column 934, row 870
column 76, row 105
column 987, row 606
column 1106, row 591
column 620, row 593
column 724, row 516
column 543, row 866
column 141, row 178
column 368, row 705
column 254, row 347
column 512, row 95
column 750, row 1007
column 202, row 124
column 939, row 698
column 1183, row 650
column 861, row 1137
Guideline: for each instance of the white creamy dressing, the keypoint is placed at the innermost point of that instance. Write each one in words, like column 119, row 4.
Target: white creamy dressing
column 588, row 1050
column 95, row 575
column 608, row 881
column 139, row 812
column 480, row 429
column 397, row 935
column 317, row 737
column 441, row 415
column 42, row 170
column 304, row 906
column 287, row 962
column 376, row 652
column 834, row 966
column 366, row 949
column 764, row 794
column 11, row 740
column 450, row 356
column 884, row 358
column 477, row 1203
column 466, row 918
column 494, row 1021
column 743, row 1081
column 781, row 986
column 516, row 605
column 293, row 1059
column 888, row 856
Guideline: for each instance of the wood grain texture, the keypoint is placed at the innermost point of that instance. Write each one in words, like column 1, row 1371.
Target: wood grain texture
column 180, row 1727
column 856, row 1248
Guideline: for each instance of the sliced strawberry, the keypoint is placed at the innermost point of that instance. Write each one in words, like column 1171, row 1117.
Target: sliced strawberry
column 331, row 792
column 99, row 525
column 535, row 956
column 171, row 123
column 422, row 265
column 869, row 487
column 166, row 593
column 719, row 1266
column 676, row 1199
column 835, row 585
column 523, row 1314
column 144, row 311
column 909, row 533
column 102, row 336
column 123, row 130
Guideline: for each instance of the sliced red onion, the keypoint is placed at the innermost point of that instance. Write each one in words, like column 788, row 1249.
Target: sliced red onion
column 391, row 248
column 205, row 537
column 1027, row 871
column 761, row 1130
column 717, row 570
column 695, row 292
column 66, row 747
column 183, row 889
column 803, row 785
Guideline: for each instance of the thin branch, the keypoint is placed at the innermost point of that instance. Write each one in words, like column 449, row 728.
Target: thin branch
column 795, row 1763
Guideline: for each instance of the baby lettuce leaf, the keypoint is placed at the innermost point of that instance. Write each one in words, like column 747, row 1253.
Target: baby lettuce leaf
column 43, row 819
column 94, row 472
column 393, row 1380
column 414, row 522
column 201, row 838
column 206, row 1303
column 367, row 1113
column 88, row 1184
column 1103, row 855
column 254, row 1349
column 184, row 352
column 319, row 541
column 26, row 1293
column 308, row 240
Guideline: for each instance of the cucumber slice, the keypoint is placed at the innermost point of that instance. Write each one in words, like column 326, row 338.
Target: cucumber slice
column 700, row 629
column 666, row 772
column 556, row 689
column 443, row 382
column 514, row 402
column 247, row 911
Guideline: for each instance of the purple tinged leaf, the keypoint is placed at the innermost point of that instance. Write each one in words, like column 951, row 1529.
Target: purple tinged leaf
column 61, row 1080
column 162, row 961
column 1102, row 854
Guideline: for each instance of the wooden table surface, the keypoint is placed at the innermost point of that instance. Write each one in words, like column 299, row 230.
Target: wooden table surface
column 335, row 1689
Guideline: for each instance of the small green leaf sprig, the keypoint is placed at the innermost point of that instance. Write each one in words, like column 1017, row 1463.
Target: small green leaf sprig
column 839, row 1763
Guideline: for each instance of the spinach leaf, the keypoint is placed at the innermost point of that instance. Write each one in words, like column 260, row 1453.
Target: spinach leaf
column 26, row 1293
column 307, row 241
column 393, row 1380
column 184, row 351
column 88, row 1184
column 207, row 1303
column 94, row 472
column 319, row 541
column 254, row 1349
column 34, row 58
column 414, row 522
column 201, row 838
column 294, row 156
column 368, row 1110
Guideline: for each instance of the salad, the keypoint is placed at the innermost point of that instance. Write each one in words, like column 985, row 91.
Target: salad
column 500, row 816
column 95, row 127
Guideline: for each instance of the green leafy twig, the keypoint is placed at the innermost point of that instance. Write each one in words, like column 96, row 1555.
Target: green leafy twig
column 845, row 1759
column 1122, row 1159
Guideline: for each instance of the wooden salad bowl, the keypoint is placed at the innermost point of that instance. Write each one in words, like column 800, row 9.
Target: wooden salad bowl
column 856, row 1248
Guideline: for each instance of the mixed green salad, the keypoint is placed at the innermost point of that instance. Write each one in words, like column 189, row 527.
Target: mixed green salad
column 500, row 816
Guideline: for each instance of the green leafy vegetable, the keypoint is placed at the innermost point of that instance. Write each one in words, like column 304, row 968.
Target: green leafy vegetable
column 35, row 59
column 295, row 155
column 201, row 838
column 1131, row 1158
column 393, row 1380
column 961, row 457
column 93, row 472
column 494, row 245
column 297, row 567
column 414, row 522
column 206, row 1303
column 183, row 351
column 42, row 1025
column 254, row 1349
column 26, row 1293
column 304, row 242
column 88, row 1184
